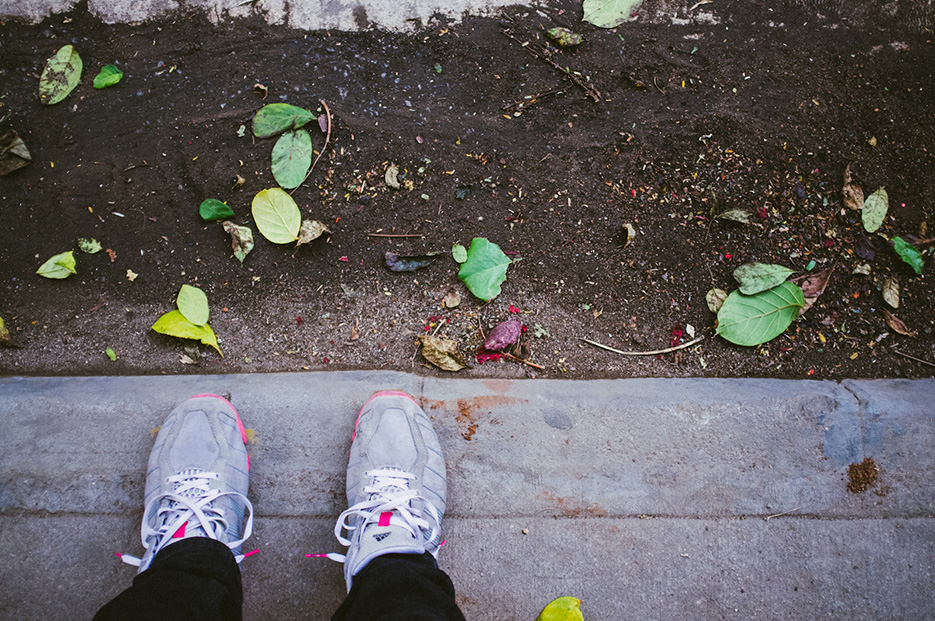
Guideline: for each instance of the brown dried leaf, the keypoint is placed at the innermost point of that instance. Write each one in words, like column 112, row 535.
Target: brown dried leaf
column 891, row 291
column 311, row 229
column 13, row 153
column 355, row 330
column 715, row 298
column 813, row 285
column 896, row 324
column 442, row 352
column 261, row 88
column 452, row 299
column 851, row 193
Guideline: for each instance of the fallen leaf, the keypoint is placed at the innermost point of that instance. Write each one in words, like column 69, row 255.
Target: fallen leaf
column 193, row 304
column 241, row 239
column 609, row 13
column 908, row 253
column 111, row 254
column 392, row 176
column 276, row 215
column 273, row 119
column 813, row 285
column 310, row 230
column 896, row 324
column 891, row 291
column 292, row 158
column 540, row 331
column 442, row 352
column 355, row 330
column 5, row 339
column 737, row 215
column 631, row 233
column 562, row 609
column 238, row 181
column 564, row 37
column 186, row 359
column 756, row 277
column 865, row 248
column 411, row 263
column 323, row 123
column 60, row 76
column 459, row 253
column 452, row 299
column 58, row 267
column 13, row 153
column 212, row 209
column 715, row 298
column 851, row 193
column 503, row 335
column 752, row 320
column 862, row 269
column 485, row 355
column 131, row 275
column 261, row 88
column 111, row 353
column 174, row 323
column 108, row 76
column 874, row 211
column 690, row 330
column 89, row 245
column 485, row 269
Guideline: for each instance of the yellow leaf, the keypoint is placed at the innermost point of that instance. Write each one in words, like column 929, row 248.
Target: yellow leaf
column 562, row 609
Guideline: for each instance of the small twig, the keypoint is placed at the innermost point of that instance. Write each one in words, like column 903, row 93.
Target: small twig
column 645, row 353
column 657, row 86
column 512, row 357
column 395, row 235
column 322, row 152
column 439, row 326
column 769, row 517
column 592, row 92
column 913, row 358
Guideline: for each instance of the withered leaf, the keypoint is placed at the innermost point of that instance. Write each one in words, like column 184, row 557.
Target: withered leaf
column 715, row 298
column 310, row 230
column 891, row 291
column 851, row 193
column 13, row 153
column 812, row 286
column 896, row 324
column 241, row 239
column 411, row 263
column 442, row 352
column 503, row 335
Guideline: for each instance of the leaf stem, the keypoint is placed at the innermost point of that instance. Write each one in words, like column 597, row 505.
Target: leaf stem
column 645, row 353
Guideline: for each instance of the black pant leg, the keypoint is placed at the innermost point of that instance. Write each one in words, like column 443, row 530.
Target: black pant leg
column 195, row 579
column 404, row 587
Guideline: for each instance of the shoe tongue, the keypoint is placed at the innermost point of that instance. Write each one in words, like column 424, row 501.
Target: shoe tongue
column 380, row 539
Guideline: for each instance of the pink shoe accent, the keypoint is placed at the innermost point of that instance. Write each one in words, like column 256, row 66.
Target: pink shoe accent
column 381, row 393
column 251, row 553
column 240, row 427
column 385, row 518
column 180, row 533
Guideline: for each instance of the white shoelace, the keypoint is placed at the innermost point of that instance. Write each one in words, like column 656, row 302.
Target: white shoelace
column 389, row 493
column 192, row 500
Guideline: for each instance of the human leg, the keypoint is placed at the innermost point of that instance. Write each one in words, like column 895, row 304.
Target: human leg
column 396, row 493
column 196, row 518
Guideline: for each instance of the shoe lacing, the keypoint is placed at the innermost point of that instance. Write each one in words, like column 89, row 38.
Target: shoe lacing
column 390, row 493
column 190, row 505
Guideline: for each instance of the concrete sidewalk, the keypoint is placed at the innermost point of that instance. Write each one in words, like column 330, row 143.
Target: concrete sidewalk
column 647, row 498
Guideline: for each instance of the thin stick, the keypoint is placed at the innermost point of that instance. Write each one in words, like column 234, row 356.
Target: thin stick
column 645, row 353
column 395, row 235
column 322, row 152
column 512, row 357
column 912, row 358
column 592, row 92
column 769, row 517
column 525, row 103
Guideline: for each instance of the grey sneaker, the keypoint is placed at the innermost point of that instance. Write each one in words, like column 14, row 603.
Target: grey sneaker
column 196, row 484
column 395, row 484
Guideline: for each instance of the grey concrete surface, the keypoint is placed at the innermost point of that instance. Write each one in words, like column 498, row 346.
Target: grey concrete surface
column 647, row 498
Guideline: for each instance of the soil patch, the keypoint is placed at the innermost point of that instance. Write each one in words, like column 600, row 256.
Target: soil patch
column 761, row 109
column 862, row 476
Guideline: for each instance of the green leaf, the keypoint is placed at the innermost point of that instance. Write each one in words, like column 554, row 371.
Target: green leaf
column 89, row 245
column 277, row 216
column 108, row 76
column 111, row 353
column 60, row 266
column 459, row 253
column 608, row 13
column 756, row 277
column 908, row 253
column 755, row 319
column 193, row 304
column 485, row 269
column 5, row 339
column 61, row 75
column 212, row 209
column 874, row 212
column 174, row 323
column 564, row 37
column 292, row 157
column 562, row 609
column 277, row 118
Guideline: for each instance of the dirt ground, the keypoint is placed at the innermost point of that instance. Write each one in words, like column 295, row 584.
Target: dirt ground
column 759, row 109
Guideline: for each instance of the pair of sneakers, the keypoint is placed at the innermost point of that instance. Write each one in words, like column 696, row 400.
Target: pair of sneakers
column 198, row 474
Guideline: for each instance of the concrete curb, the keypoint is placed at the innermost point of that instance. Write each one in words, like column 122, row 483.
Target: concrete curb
column 644, row 497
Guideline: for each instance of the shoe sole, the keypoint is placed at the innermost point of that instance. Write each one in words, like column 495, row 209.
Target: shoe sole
column 376, row 395
column 240, row 427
